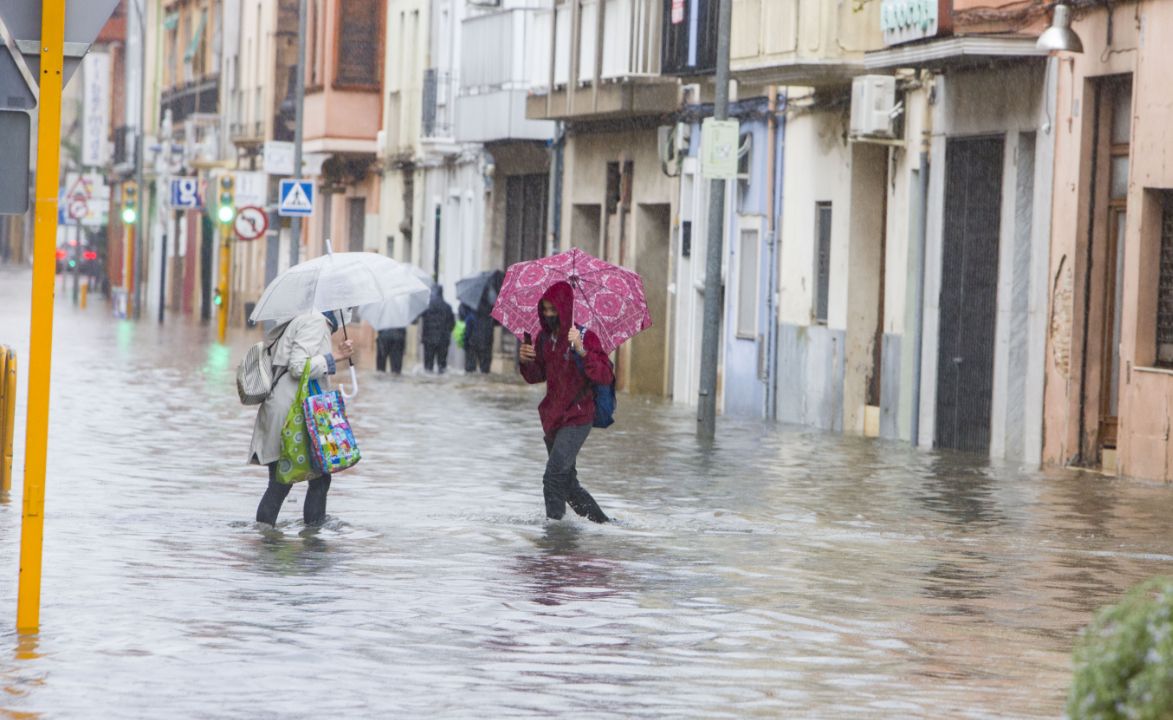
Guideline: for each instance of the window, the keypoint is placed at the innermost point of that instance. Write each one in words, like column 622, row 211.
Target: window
column 747, row 285
column 822, row 261
column 1165, row 285
column 316, row 28
column 359, row 56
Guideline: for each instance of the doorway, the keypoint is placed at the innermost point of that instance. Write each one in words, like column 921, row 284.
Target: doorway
column 649, row 348
column 969, row 289
column 525, row 217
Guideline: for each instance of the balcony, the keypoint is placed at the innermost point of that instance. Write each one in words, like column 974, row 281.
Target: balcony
column 602, row 60
column 490, row 104
column 802, row 42
column 200, row 96
column 247, row 133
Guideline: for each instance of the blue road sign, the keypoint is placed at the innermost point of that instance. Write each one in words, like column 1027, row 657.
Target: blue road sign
column 185, row 193
column 297, row 198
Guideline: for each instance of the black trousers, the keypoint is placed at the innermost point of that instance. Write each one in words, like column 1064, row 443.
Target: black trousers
column 313, row 510
column 389, row 351
column 560, row 483
column 478, row 356
column 435, row 356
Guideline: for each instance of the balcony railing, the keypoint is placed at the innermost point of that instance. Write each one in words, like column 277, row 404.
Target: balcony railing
column 617, row 40
column 198, row 96
column 505, row 50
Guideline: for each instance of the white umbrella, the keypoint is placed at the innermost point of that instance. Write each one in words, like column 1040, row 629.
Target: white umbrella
column 401, row 310
column 336, row 281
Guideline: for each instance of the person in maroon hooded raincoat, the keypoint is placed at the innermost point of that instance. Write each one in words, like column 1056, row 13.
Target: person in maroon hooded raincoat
column 568, row 409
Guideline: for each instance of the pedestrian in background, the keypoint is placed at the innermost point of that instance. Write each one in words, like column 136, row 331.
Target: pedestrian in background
column 306, row 337
column 568, row 410
column 478, row 338
column 436, row 331
column 389, row 349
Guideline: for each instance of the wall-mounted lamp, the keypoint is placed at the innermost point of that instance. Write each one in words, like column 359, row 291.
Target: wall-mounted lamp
column 1060, row 36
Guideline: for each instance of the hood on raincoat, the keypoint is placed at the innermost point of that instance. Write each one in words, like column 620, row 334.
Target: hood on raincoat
column 561, row 296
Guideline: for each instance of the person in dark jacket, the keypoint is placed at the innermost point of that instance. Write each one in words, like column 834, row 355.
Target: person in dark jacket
column 569, row 406
column 389, row 349
column 478, row 339
column 436, row 331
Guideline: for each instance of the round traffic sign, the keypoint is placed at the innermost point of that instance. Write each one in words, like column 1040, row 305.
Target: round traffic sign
column 251, row 222
column 78, row 209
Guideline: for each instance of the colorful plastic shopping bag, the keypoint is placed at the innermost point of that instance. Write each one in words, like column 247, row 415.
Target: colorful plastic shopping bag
column 295, row 463
column 332, row 443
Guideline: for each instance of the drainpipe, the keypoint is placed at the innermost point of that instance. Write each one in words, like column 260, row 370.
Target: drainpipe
column 922, row 231
column 554, row 213
column 772, row 271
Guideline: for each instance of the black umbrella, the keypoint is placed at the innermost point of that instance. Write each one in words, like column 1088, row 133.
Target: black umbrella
column 480, row 289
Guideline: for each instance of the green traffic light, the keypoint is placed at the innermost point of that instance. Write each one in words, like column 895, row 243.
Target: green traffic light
column 73, row 263
column 129, row 216
column 218, row 299
column 226, row 213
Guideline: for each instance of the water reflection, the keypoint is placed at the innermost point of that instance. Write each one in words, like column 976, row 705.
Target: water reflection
column 562, row 572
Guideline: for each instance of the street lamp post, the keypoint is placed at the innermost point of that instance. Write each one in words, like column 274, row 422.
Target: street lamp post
column 299, row 115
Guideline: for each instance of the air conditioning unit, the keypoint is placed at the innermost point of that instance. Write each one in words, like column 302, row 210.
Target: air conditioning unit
column 873, row 106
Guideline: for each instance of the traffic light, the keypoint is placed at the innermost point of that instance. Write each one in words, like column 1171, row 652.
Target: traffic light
column 129, row 203
column 227, row 209
column 217, row 299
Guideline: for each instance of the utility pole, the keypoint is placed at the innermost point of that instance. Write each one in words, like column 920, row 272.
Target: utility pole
column 299, row 115
column 711, row 337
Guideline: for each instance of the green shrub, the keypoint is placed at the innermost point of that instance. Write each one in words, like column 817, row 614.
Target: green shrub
column 1124, row 659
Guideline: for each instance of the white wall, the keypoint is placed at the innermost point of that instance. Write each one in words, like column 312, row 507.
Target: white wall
column 817, row 168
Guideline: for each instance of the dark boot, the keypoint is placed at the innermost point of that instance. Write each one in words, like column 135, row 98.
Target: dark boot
column 583, row 504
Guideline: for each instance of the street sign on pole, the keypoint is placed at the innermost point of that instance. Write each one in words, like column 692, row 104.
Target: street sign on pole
column 251, row 222
column 83, row 21
column 185, row 193
column 15, row 134
column 297, row 198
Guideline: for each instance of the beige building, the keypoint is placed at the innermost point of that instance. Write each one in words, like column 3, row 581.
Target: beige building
column 600, row 75
column 1109, row 396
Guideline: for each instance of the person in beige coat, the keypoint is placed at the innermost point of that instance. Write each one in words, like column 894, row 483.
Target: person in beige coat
column 306, row 337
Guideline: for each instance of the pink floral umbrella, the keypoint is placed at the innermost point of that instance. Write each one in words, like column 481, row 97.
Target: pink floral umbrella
column 608, row 300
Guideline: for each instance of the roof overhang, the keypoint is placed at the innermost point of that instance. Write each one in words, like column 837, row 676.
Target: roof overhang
column 953, row 51
column 799, row 72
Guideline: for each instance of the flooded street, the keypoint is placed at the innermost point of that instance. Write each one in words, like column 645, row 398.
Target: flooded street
column 785, row 573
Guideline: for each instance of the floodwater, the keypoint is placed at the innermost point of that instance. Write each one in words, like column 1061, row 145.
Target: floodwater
column 784, row 573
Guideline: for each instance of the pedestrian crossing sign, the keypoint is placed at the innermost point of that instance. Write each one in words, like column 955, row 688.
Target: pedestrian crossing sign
column 297, row 198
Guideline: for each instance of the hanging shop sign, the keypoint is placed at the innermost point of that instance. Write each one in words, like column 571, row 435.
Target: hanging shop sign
column 904, row 21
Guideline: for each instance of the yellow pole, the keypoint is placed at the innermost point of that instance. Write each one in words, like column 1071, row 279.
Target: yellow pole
column 7, row 415
column 85, row 287
column 28, row 604
column 225, row 259
column 128, row 278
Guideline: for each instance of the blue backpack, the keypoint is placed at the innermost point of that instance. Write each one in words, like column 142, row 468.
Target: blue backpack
column 604, row 394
